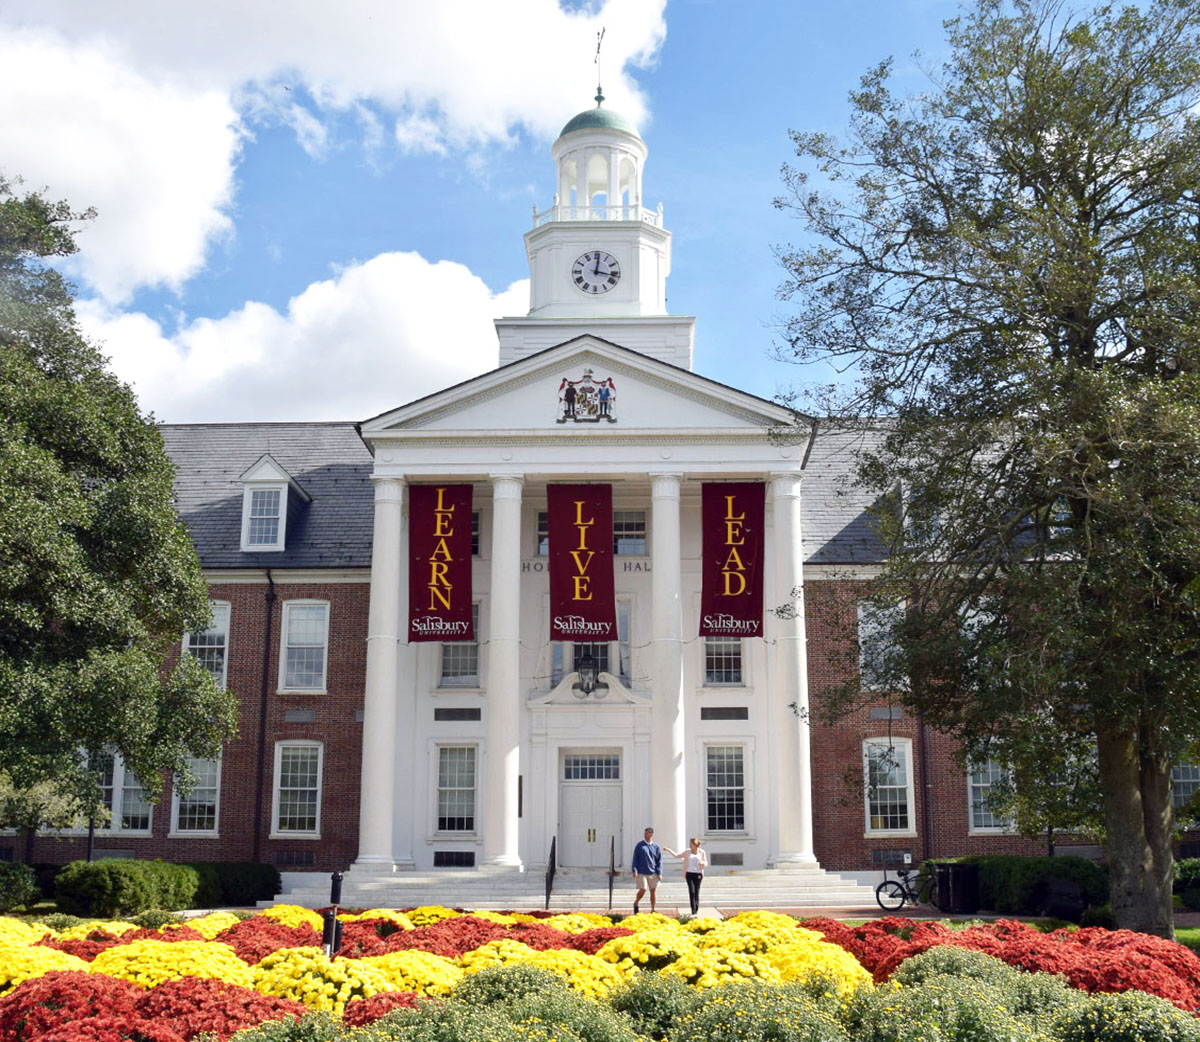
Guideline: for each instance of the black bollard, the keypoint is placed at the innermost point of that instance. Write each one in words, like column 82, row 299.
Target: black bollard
column 330, row 934
column 335, row 889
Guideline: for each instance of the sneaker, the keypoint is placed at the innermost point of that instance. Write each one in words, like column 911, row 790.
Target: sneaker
column 635, row 908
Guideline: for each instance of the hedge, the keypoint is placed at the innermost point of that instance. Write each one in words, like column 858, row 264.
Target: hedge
column 18, row 886
column 1015, row 885
column 128, row 886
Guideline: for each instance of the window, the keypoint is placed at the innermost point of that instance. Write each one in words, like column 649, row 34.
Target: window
column 298, row 788
column 460, row 658
column 877, row 655
column 725, row 794
column 123, row 796
column 888, row 784
column 1185, row 782
column 197, row 811
column 306, row 632
column 474, row 533
column 543, row 533
column 983, row 782
column 209, row 647
column 268, row 492
column 605, row 654
column 722, row 660
column 629, row 533
column 456, row 788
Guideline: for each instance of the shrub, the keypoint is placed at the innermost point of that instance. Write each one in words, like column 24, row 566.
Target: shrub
column 243, row 883
column 1191, row 898
column 156, row 919
column 1128, row 1017
column 758, row 1013
column 959, row 1009
column 1098, row 915
column 654, row 1003
column 315, row 1027
column 499, row 984
column 1187, row 873
column 45, row 874
column 947, row 960
column 120, row 887
column 1017, row 885
column 18, row 886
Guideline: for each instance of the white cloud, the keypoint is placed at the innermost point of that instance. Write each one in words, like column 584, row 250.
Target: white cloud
column 381, row 333
column 155, row 158
column 136, row 108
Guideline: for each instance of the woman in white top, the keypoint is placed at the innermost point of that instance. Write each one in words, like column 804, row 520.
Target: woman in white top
column 695, row 861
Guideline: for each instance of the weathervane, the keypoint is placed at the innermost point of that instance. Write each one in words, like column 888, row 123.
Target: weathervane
column 599, row 78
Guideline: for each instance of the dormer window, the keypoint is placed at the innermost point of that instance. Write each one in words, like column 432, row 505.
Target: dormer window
column 269, row 497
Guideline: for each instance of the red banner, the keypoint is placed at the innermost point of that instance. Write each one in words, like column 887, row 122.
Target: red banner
column 731, row 601
column 439, row 563
column 583, row 603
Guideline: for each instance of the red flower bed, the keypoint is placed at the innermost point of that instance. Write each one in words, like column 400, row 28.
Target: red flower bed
column 171, row 933
column 450, row 937
column 61, row 997
column 86, row 949
column 367, row 1011
column 254, row 939
column 194, row 1005
column 107, row 1028
column 1093, row 959
column 365, row 937
column 591, row 941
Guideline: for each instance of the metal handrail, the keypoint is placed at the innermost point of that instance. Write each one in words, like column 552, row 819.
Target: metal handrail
column 550, row 870
column 612, row 867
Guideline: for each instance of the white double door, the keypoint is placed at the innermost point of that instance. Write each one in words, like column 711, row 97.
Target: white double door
column 589, row 823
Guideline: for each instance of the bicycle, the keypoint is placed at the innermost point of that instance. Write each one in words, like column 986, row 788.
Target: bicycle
column 918, row 889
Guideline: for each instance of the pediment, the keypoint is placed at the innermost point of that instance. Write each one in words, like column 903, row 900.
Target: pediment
column 609, row 692
column 585, row 384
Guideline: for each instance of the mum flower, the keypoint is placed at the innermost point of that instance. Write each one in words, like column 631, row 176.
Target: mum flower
column 293, row 915
column 214, row 923
column 148, row 962
column 322, row 984
column 495, row 953
column 15, row 933
column 712, row 967
column 22, row 964
column 414, row 970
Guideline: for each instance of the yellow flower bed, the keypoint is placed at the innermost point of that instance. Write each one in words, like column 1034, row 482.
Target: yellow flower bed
column 760, row 919
column 701, row 924
column 741, row 937
column 494, row 953
column 322, row 984
column 808, row 959
column 148, row 962
column 589, row 974
column 14, row 932
column 19, row 964
column 711, row 967
column 399, row 918
column 414, row 970
column 427, row 915
column 80, row 931
column 649, row 921
column 294, row 915
column 650, row 949
column 578, row 922
column 500, row 918
column 214, row 923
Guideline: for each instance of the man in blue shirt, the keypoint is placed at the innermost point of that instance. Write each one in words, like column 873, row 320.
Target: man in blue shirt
column 647, row 868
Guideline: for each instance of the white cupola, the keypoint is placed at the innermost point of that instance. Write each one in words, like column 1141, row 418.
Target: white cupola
column 598, row 258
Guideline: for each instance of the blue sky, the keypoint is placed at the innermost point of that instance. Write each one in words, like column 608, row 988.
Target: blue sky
column 313, row 211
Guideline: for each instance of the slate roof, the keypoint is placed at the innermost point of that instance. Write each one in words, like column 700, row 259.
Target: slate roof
column 836, row 527
column 328, row 460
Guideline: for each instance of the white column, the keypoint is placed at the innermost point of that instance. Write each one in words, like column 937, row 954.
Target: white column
column 502, row 755
column 789, row 691
column 388, row 574
column 668, row 787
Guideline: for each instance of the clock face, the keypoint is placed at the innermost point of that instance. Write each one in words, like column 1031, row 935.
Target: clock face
column 595, row 272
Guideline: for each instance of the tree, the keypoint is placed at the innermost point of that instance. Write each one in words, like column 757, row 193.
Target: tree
column 1011, row 265
column 98, row 579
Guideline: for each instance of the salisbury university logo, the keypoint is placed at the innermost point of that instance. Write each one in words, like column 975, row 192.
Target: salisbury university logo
column 587, row 400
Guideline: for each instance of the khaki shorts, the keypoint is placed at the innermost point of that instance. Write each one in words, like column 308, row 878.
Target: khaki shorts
column 646, row 882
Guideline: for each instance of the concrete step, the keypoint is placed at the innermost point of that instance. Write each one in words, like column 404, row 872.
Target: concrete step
column 582, row 889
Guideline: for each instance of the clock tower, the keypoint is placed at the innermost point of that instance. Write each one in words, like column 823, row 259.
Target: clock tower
column 598, row 258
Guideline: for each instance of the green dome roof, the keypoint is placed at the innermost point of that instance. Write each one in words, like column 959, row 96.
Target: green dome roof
column 600, row 118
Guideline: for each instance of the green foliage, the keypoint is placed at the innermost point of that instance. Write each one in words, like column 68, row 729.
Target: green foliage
column 1131, row 1016
column 654, row 1003
column 18, row 886
column 156, row 918
column 124, row 887
column 1010, row 263
column 240, row 882
column 948, row 960
column 314, row 1027
column 943, row 1008
column 1187, row 873
column 1191, row 898
column 1017, row 885
column 500, row 984
column 757, row 1013
column 1098, row 915
column 98, row 578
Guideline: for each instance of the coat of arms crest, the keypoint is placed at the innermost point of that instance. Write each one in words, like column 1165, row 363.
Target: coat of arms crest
column 589, row 399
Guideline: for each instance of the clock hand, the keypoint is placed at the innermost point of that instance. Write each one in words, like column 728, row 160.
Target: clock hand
column 596, row 269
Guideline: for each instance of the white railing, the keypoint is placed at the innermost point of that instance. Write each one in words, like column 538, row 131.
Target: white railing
column 599, row 213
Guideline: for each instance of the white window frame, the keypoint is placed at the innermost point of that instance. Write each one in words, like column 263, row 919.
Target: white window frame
column 746, row 747
column 1000, row 772
column 464, row 683
column 1178, row 779
column 296, row 743
column 871, row 634
column 221, row 611
column 177, row 800
column 645, row 539
column 435, row 760
column 741, row 649
column 285, row 622
column 117, row 800
column 247, row 507
column 910, row 802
